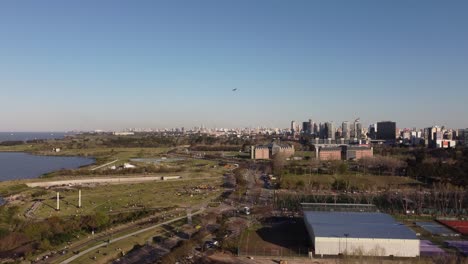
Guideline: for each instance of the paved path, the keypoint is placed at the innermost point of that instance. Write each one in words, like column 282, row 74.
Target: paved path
column 125, row 236
column 109, row 163
column 30, row 212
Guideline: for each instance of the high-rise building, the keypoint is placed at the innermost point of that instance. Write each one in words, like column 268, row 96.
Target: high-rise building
column 352, row 130
column 431, row 135
column 373, row 131
column 322, row 131
column 359, row 133
column 386, row 131
column 338, row 133
column 463, row 136
column 345, row 130
column 330, row 131
column 416, row 137
column 293, row 126
column 307, row 127
column 316, row 130
column 311, row 127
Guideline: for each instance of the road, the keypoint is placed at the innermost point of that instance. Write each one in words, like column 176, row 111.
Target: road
column 125, row 236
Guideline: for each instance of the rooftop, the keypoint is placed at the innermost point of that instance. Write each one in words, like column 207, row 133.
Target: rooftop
column 356, row 225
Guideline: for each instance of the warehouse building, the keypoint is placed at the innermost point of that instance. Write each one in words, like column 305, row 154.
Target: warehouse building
column 359, row 232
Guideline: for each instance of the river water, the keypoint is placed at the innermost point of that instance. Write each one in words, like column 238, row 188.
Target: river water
column 25, row 136
column 18, row 165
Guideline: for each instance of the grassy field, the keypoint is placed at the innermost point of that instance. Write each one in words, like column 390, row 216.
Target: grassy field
column 187, row 168
column 200, row 184
column 361, row 182
column 104, row 154
column 19, row 148
column 125, row 197
column 111, row 199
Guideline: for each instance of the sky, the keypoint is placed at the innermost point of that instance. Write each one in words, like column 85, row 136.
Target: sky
column 86, row 65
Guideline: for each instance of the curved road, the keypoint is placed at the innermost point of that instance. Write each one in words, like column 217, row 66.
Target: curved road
column 125, row 236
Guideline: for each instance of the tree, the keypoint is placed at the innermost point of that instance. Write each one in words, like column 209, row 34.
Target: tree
column 278, row 163
column 340, row 185
column 98, row 220
column 300, row 184
column 343, row 168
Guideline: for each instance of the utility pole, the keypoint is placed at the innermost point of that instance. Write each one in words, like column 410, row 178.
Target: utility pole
column 58, row 202
column 79, row 198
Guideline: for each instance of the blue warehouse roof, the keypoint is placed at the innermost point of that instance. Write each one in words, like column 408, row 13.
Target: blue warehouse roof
column 356, row 225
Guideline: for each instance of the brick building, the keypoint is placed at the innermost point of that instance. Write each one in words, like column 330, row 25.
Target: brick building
column 356, row 153
column 268, row 151
column 260, row 152
column 328, row 153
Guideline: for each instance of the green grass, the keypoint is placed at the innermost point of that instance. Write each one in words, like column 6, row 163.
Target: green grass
column 102, row 154
column 105, row 154
column 18, row 148
column 361, row 182
column 8, row 188
column 114, row 198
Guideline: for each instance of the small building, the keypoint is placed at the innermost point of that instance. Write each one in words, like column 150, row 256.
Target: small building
column 128, row 166
column 328, row 153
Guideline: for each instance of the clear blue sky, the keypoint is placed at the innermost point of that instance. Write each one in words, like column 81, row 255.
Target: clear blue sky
column 114, row 64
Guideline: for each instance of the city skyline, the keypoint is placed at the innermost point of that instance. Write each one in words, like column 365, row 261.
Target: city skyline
column 297, row 123
column 106, row 65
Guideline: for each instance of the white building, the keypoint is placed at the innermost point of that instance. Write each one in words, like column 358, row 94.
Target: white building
column 123, row 133
column 128, row 166
column 359, row 233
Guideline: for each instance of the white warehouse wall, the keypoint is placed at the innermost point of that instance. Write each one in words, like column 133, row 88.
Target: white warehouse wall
column 367, row 246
